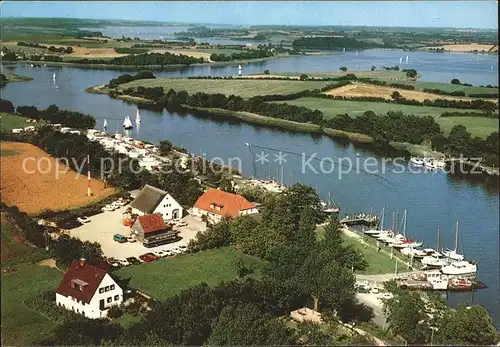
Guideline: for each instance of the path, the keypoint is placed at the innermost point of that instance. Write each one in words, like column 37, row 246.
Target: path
column 51, row 262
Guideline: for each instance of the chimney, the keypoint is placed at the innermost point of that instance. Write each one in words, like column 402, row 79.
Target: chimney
column 83, row 261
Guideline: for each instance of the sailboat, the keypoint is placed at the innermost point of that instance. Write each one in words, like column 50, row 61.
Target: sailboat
column 330, row 207
column 105, row 124
column 434, row 259
column 127, row 124
column 404, row 243
column 343, row 50
column 54, row 76
column 452, row 253
column 401, row 60
column 239, row 70
column 406, row 59
column 380, row 231
column 137, row 117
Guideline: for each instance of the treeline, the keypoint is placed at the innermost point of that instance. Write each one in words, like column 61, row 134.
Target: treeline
column 147, row 59
column 331, row 43
column 31, row 44
column 67, row 50
column 476, row 104
column 384, row 83
column 244, row 55
column 393, row 126
column 38, row 57
column 145, row 74
column 130, row 50
column 442, row 92
column 303, row 77
column 467, row 114
column 484, row 95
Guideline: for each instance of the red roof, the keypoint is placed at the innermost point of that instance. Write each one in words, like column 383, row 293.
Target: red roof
column 222, row 203
column 152, row 222
column 80, row 274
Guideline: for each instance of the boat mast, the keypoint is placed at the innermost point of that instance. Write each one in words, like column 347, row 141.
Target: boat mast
column 404, row 225
column 437, row 241
column 456, row 237
column 382, row 219
column 393, row 221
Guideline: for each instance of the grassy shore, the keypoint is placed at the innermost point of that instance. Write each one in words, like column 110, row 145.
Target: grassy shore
column 9, row 121
column 12, row 77
column 243, row 88
column 166, row 277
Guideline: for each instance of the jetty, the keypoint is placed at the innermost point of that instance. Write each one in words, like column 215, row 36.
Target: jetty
column 360, row 219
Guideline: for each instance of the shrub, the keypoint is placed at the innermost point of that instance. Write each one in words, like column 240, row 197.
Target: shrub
column 115, row 312
column 304, row 77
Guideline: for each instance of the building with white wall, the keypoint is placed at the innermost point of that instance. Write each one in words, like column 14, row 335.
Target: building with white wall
column 154, row 200
column 88, row 290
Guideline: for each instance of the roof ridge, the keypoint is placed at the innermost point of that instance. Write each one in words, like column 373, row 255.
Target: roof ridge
column 155, row 188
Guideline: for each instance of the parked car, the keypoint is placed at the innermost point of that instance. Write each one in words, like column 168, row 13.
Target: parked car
column 133, row 260
column 182, row 224
column 123, row 262
column 83, row 219
column 169, row 253
column 113, row 262
column 131, row 239
column 177, row 250
column 160, row 254
column 148, row 257
column 120, row 202
column 182, row 247
column 108, row 208
column 119, row 238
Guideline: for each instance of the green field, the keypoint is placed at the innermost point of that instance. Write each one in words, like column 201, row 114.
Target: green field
column 378, row 262
column 367, row 74
column 477, row 126
column 244, row 88
column 331, row 108
column 11, row 121
column 20, row 325
column 166, row 277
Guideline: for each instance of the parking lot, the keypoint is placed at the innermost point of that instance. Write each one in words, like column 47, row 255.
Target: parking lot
column 103, row 226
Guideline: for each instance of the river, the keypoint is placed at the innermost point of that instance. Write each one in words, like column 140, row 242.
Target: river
column 431, row 199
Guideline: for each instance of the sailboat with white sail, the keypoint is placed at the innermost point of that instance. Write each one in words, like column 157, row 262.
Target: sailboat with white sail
column 406, row 59
column 404, row 242
column 329, row 207
column 452, row 253
column 105, row 124
column 401, row 60
column 138, row 117
column 54, row 77
column 127, row 123
column 380, row 230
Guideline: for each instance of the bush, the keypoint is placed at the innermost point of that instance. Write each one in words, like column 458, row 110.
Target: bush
column 266, row 72
column 304, row 77
column 115, row 312
column 396, row 95
column 455, row 81
column 6, row 106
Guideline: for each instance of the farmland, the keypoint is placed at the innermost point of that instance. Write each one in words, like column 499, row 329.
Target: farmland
column 166, row 277
column 51, row 186
column 243, row 88
column 448, row 87
column 477, row 126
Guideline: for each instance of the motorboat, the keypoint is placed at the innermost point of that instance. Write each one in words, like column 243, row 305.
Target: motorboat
column 461, row 269
column 434, row 261
column 417, row 161
column 439, row 283
column 458, row 283
column 415, row 253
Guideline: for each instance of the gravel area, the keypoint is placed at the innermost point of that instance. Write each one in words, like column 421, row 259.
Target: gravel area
column 103, row 226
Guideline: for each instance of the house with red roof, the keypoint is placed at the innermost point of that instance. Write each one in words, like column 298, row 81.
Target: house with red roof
column 216, row 204
column 149, row 225
column 88, row 290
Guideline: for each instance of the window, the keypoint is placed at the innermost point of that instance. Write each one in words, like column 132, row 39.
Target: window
column 106, row 289
column 117, row 297
column 112, row 287
column 108, row 300
column 101, row 290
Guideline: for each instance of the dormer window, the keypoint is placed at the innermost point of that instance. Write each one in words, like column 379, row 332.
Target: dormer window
column 78, row 284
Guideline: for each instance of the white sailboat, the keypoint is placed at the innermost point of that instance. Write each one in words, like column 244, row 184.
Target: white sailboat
column 380, row 231
column 137, row 117
column 105, row 124
column 406, row 59
column 329, row 206
column 239, row 70
column 452, row 253
column 127, row 124
column 343, row 50
column 54, row 76
column 405, row 243
column 401, row 60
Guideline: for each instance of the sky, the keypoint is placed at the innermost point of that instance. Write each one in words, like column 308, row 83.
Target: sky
column 431, row 13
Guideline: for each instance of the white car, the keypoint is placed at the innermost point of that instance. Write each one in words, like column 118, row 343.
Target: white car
column 83, row 219
column 131, row 239
column 108, row 208
column 182, row 248
column 123, row 262
column 160, row 254
column 182, row 224
column 177, row 250
column 119, row 203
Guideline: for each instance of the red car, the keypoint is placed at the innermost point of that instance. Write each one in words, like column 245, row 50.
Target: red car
column 148, row 257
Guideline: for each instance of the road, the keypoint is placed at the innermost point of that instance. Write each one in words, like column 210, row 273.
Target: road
column 372, row 301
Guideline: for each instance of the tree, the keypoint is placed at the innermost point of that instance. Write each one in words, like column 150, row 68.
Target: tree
column 6, row 106
column 466, row 326
column 216, row 236
column 455, row 81
column 396, row 95
column 304, row 77
column 373, row 68
column 245, row 325
column 343, row 69
column 266, row 72
column 9, row 56
column 226, row 183
column 406, row 317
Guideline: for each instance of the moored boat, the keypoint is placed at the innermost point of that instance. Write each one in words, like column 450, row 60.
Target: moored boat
column 127, row 124
column 462, row 269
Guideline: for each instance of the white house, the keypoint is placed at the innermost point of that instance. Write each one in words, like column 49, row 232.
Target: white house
column 154, row 200
column 216, row 204
column 88, row 290
column 17, row 131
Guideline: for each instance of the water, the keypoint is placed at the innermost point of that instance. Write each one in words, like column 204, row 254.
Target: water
column 430, row 199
